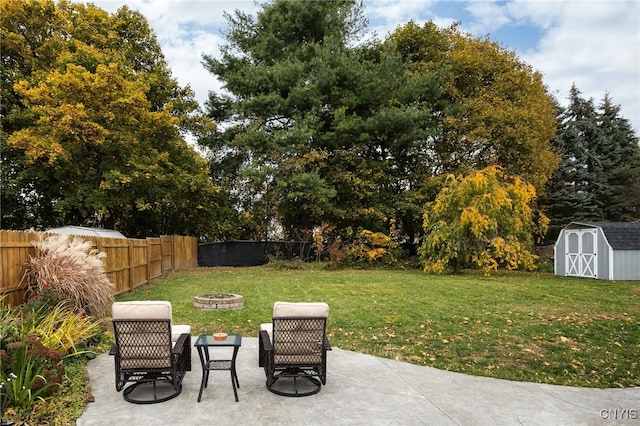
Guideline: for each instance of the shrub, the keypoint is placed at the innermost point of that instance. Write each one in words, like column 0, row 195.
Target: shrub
column 33, row 346
column 66, row 332
column 483, row 220
column 372, row 248
column 71, row 270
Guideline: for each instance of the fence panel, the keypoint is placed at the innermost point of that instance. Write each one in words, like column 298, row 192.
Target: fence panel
column 155, row 257
column 138, row 255
column 167, row 253
column 15, row 249
column 117, row 263
column 186, row 253
column 129, row 263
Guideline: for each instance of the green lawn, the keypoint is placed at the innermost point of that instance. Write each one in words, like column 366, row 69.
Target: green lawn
column 519, row 326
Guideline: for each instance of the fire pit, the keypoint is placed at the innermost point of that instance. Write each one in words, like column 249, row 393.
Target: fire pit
column 218, row 301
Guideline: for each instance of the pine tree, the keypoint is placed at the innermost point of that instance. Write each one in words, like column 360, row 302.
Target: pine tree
column 569, row 196
column 619, row 154
column 596, row 179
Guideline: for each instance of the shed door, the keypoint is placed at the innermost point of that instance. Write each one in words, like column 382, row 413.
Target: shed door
column 581, row 253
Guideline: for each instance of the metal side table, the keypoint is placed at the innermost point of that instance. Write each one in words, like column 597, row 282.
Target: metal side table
column 203, row 344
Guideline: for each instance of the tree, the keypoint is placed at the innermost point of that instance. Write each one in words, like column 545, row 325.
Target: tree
column 619, row 155
column 316, row 130
column 93, row 131
column 568, row 196
column 600, row 159
column 484, row 220
column 504, row 114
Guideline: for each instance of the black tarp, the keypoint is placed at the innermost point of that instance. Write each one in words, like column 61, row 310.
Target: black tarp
column 250, row 253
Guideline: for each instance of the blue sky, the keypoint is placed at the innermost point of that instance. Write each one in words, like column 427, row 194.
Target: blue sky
column 592, row 43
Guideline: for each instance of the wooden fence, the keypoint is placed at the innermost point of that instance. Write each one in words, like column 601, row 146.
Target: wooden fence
column 129, row 262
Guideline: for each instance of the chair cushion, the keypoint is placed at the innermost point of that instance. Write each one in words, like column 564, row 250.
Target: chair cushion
column 177, row 330
column 300, row 309
column 143, row 309
column 268, row 327
column 149, row 309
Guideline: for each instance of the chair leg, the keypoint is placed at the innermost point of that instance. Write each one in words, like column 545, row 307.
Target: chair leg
column 130, row 395
column 293, row 383
column 261, row 352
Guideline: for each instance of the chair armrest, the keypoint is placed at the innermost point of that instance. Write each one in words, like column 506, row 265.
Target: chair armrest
column 181, row 343
column 327, row 345
column 266, row 341
column 113, row 349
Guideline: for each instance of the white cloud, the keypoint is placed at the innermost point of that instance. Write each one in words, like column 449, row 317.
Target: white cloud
column 185, row 59
column 386, row 15
column 487, row 16
column 186, row 29
column 540, row 13
column 397, row 11
column 594, row 43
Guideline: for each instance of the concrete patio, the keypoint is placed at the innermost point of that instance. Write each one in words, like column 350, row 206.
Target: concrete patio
column 361, row 390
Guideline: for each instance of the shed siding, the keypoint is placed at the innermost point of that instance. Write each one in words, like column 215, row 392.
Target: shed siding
column 626, row 264
column 605, row 252
column 559, row 258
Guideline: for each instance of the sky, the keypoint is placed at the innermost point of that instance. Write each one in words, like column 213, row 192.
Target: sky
column 594, row 44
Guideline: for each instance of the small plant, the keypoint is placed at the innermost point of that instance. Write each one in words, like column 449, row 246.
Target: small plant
column 66, row 332
column 34, row 372
column 42, row 298
column 321, row 236
column 4, row 397
column 71, row 270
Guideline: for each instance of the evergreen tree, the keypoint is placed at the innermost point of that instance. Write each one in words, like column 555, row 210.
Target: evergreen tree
column 317, row 130
column 598, row 169
column 619, row 155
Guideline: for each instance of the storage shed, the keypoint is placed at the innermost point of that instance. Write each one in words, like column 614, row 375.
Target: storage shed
column 600, row 250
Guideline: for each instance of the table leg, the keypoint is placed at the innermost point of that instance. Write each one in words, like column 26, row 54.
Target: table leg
column 204, row 360
column 234, row 374
column 233, row 384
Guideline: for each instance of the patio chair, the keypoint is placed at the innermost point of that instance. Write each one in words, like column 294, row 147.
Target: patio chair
column 292, row 349
column 149, row 351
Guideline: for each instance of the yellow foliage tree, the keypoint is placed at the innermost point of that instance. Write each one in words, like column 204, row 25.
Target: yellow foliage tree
column 484, row 220
column 91, row 125
column 503, row 114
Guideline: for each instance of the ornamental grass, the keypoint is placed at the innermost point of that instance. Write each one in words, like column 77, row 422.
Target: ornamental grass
column 68, row 269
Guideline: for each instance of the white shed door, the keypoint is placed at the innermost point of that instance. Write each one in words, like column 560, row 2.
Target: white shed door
column 581, row 253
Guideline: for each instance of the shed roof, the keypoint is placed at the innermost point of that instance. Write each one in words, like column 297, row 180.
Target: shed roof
column 86, row 231
column 621, row 235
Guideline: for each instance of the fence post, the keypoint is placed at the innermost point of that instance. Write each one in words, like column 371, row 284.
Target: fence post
column 148, row 267
column 131, row 284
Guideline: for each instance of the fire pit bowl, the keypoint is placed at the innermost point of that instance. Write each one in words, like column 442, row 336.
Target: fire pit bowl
column 218, row 301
